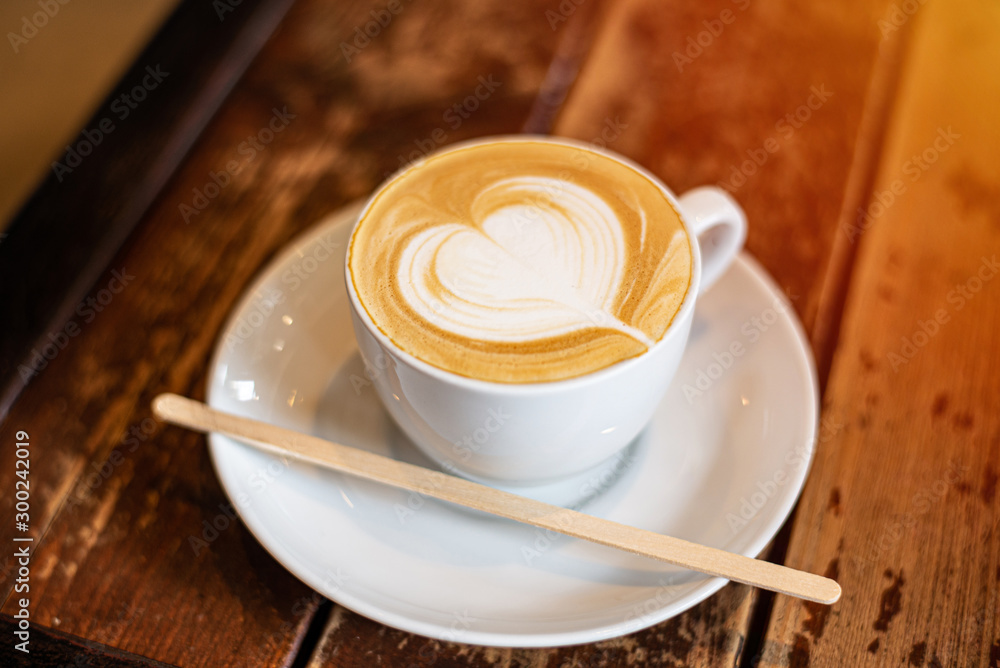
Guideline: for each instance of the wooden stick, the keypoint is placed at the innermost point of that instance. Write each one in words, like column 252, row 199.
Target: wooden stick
column 313, row 450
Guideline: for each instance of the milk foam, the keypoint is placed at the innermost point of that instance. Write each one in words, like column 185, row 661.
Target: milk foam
column 527, row 271
column 520, row 262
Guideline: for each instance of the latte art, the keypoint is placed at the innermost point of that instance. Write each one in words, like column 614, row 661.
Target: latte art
column 521, row 261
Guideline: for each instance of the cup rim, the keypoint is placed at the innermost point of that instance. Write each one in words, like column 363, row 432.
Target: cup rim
column 532, row 387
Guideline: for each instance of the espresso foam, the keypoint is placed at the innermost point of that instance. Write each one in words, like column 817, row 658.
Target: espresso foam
column 521, row 261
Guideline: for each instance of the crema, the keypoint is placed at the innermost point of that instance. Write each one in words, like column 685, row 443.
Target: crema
column 521, row 261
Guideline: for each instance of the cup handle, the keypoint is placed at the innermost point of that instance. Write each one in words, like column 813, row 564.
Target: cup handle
column 720, row 225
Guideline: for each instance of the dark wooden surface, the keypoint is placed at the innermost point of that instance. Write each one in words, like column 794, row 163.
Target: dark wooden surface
column 116, row 495
column 96, row 194
column 902, row 503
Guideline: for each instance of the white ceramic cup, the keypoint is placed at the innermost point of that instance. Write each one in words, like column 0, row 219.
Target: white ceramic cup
column 534, row 433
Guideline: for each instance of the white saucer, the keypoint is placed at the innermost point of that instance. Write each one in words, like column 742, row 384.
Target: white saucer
column 723, row 468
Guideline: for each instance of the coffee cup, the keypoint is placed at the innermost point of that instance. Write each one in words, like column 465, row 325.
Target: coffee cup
column 428, row 340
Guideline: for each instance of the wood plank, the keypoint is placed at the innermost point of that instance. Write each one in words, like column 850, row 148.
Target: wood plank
column 903, row 504
column 116, row 497
column 85, row 209
column 706, row 635
column 52, row 648
column 694, row 123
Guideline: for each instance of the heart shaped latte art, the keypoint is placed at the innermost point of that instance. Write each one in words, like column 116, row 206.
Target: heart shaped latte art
column 510, row 269
column 530, row 270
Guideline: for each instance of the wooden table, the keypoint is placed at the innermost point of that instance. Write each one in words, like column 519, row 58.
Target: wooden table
column 861, row 138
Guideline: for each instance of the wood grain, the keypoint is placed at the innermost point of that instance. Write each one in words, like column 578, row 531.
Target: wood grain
column 85, row 210
column 705, row 635
column 52, row 648
column 903, row 504
column 116, row 500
